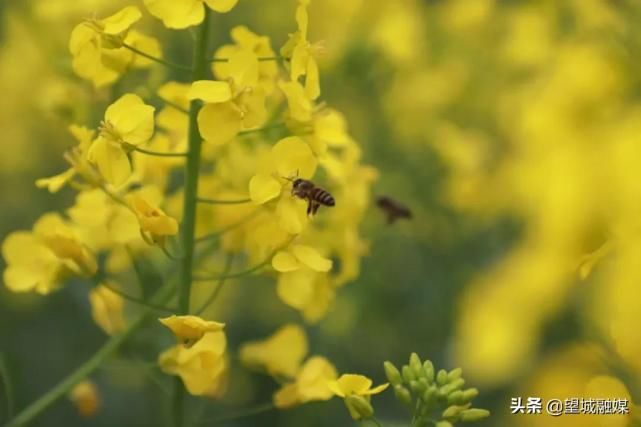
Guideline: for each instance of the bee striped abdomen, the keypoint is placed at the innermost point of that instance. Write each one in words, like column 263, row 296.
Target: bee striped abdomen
column 321, row 196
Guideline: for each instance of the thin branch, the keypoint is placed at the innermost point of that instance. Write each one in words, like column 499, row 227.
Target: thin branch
column 137, row 300
column 158, row 60
column 260, row 58
column 265, row 262
column 212, row 297
column 222, row 202
column 159, row 154
column 175, row 106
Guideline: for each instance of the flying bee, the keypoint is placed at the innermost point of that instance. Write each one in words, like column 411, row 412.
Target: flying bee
column 393, row 209
column 315, row 196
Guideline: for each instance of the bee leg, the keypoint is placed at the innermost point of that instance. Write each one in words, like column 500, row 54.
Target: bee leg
column 315, row 208
column 309, row 207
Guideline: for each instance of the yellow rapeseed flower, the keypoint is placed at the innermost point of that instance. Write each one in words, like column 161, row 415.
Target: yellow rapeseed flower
column 232, row 105
column 85, row 398
column 189, row 329
column 202, row 366
column 97, row 47
column 179, row 14
column 302, row 53
column 40, row 260
column 290, row 157
column 280, row 354
column 310, row 384
column 155, row 225
column 128, row 122
column 356, row 391
column 246, row 40
column 107, row 309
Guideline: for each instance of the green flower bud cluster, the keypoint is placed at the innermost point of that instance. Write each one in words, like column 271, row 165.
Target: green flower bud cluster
column 436, row 398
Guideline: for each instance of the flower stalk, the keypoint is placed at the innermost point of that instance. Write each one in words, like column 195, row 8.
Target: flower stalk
column 192, row 167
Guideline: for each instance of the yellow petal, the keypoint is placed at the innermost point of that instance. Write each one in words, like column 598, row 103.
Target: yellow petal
column 353, row 384
column 263, row 188
column 302, row 18
column 221, row 6
column 85, row 398
column 287, row 396
column 312, row 80
column 132, row 119
column 311, row 258
column 112, row 162
column 291, row 213
column 107, row 309
column 175, row 93
column 296, row 288
column 54, row 183
column 279, row 354
column 299, row 60
column 190, row 327
column 300, row 107
column 293, row 157
column 121, row 21
column 284, row 261
column 313, row 379
column 219, row 123
column 177, row 14
column 210, row 91
column 243, row 68
column 377, row 389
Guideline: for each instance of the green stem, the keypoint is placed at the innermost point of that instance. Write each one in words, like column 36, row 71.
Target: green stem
column 63, row 387
column 136, row 300
column 223, row 202
column 260, row 58
column 192, row 167
column 265, row 262
column 158, row 153
column 158, row 60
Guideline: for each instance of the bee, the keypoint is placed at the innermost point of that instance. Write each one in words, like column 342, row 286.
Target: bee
column 315, row 196
column 393, row 209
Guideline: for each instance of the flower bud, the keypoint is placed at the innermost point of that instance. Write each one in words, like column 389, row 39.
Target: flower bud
column 453, row 411
column 428, row 368
column 408, row 374
column 403, row 395
column 455, row 398
column 457, row 384
column 441, row 377
column 474, row 414
column 429, row 395
column 415, row 365
column 414, row 386
column 444, row 424
column 470, row 394
column 455, row 374
column 359, row 407
column 392, row 373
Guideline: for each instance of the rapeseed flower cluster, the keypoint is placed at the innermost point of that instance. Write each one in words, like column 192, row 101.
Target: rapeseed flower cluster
column 182, row 170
